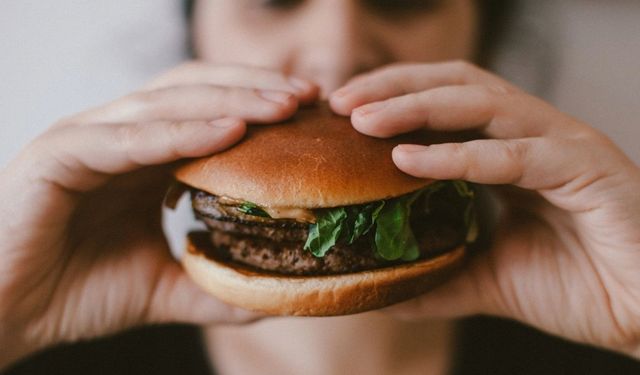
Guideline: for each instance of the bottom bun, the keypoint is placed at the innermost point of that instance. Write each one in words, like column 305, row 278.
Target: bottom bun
column 313, row 295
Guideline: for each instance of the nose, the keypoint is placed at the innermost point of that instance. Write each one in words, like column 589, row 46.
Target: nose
column 336, row 44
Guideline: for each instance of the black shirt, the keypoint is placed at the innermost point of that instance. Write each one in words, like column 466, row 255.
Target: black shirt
column 486, row 346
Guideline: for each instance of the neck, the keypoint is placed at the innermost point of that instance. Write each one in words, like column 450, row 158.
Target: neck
column 371, row 343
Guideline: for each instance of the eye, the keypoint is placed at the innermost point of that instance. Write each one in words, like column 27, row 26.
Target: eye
column 281, row 4
column 402, row 7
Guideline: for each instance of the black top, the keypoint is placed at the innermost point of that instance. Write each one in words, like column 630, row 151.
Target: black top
column 486, row 346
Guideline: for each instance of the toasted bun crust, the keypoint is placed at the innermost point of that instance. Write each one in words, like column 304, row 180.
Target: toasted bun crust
column 314, row 295
column 314, row 160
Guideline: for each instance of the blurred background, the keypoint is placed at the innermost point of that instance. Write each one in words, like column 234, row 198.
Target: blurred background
column 60, row 57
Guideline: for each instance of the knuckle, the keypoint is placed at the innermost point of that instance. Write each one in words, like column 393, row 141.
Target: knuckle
column 599, row 149
column 175, row 74
column 589, row 136
column 175, row 129
column 404, row 73
column 193, row 65
column 488, row 94
column 464, row 160
column 186, row 67
column 491, row 98
column 51, row 137
column 402, row 67
column 414, row 99
column 174, row 133
column 463, row 71
column 235, row 72
column 126, row 137
column 459, row 150
column 252, row 73
column 40, row 144
column 417, row 103
column 393, row 70
column 516, row 150
column 516, row 154
column 64, row 122
column 498, row 89
column 462, row 66
column 143, row 99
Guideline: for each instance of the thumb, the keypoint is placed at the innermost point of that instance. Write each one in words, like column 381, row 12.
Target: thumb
column 472, row 291
column 177, row 299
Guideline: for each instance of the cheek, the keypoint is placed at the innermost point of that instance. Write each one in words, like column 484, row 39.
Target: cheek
column 449, row 35
column 223, row 36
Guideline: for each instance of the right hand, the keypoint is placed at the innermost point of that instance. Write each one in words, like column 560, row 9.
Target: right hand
column 83, row 253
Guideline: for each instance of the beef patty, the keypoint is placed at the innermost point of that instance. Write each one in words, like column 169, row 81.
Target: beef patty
column 277, row 245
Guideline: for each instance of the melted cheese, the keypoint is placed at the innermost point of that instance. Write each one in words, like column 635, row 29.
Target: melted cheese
column 229, row 201
column 299, row 214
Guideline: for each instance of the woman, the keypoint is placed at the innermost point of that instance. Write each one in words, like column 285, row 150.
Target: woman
column 94, row 260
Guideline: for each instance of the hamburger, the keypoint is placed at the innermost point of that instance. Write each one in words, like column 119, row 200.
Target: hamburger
column 309, row 217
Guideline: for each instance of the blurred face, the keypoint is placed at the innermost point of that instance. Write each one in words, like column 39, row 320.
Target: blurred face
column 329, row 41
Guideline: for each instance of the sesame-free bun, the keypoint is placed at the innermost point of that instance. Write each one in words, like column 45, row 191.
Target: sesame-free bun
column 313, row 295
column 316, row 159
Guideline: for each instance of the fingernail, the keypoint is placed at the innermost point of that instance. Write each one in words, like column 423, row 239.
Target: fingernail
column 278, row 97
column 224, row 123
column 370, row 108
column 301, row 84
column 411, row 148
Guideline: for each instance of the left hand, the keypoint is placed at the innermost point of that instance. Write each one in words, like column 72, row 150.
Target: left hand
column 82, row 249
column 566, row 256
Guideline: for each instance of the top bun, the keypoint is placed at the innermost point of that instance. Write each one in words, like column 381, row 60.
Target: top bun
column 316, row 159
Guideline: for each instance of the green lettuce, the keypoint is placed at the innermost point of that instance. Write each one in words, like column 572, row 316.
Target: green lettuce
column 362, row 220
column 252, row 209
column 470, row 217
column 394, row 238
column 390, row 219
column 324, row 234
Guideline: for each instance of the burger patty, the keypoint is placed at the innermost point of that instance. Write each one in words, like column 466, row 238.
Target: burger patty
column 207, row 205
column 286, row 232
column 277, row 245
column 289, row 257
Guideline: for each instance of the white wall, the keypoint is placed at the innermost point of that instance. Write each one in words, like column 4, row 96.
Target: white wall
column 59, row 57
column 598, row 77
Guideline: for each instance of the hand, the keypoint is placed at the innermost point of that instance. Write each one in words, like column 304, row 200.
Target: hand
column 82, row 249
column 566, row 257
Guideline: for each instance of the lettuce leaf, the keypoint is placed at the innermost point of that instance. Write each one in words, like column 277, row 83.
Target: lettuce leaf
column 470, row 217
column 393, row 238
column 363, row 220
column 324, row 234
column 252, row 209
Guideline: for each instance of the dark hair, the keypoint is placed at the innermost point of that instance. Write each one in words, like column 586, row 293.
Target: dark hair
column 493, row 20
column 188, row 8
column 494, row 15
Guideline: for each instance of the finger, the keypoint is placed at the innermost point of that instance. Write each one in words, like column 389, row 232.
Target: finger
column 80, row 158
column 177, row 299
column 195, row 73
column 472, row 291
column 200, row 102
column 531, row 163
column 498, row 112
column 397, row 80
